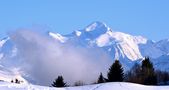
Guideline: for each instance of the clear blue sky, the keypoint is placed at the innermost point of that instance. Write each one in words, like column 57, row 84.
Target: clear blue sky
column 149, row 18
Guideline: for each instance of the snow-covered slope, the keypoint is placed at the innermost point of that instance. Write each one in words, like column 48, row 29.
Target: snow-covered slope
column 8, row 76
column 58, row 37
column 105, row 86
column 2, row 42
column 100, row 35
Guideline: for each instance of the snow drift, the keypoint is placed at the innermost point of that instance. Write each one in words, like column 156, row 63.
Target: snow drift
column 105, row 86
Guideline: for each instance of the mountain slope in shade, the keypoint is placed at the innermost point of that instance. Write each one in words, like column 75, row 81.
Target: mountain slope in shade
column 2, row 42
column 162, row 62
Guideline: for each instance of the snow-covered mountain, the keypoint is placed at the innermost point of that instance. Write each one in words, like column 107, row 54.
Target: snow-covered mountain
column 118, row 45
column 125, row 47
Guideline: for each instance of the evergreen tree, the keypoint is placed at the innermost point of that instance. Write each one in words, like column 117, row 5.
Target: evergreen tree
column 145, row 74
column 147, row 65
column 17, row 81
column 79, row 83
column 12, row 81
column 59, row 82
column 101, row 79
column 148, row 74
column 162, row 77
column 165, row 77
column 115, row 73
column 135, row 74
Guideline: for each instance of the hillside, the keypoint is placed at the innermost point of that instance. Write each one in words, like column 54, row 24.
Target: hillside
column 105, row 86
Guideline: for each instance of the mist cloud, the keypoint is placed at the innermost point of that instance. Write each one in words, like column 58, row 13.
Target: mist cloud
column 43, row 59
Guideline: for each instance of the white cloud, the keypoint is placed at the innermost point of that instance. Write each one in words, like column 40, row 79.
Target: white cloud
column 44, row 59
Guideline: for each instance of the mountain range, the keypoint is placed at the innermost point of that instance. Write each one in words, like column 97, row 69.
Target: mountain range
column 118, row 45
column 125, row 47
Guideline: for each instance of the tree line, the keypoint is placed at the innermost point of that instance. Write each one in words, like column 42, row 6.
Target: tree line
column 143, row 73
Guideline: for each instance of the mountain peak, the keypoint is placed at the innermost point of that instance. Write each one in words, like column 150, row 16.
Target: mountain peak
column 97, row 25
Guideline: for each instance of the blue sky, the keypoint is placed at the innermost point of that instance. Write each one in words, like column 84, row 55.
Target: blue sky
column 149, row 18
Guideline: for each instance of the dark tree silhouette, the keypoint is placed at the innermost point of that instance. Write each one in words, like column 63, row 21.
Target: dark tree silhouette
column 79, row 83
column 59, row 82
column 101, row 79
column 165, row 78
column 135, row 74
column 115, row 72
column 148, row 74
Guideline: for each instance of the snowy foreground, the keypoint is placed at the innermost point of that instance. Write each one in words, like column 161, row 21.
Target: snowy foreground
column 106, row 86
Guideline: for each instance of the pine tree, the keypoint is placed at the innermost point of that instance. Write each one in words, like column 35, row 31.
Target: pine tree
column 17, row 81
column 101, row 79
column 165, row 77
column 135, row 74
column 59, row 82
column 115, row 72
column 148, row 74
column 146, row 64
column 79, row 83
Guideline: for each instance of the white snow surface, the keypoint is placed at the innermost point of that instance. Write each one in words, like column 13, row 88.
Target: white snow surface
column 78, row 33
column 9, row 75
column 57, row 36
column 91, row 27
column 105, row 86
column 2, row 42
column 128, row 44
